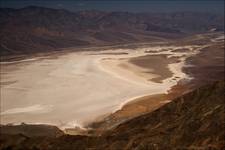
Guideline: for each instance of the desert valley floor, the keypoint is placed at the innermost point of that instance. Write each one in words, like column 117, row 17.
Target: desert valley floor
column 76, row 88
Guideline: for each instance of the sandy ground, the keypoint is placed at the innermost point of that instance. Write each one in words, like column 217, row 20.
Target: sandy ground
column 76, row 88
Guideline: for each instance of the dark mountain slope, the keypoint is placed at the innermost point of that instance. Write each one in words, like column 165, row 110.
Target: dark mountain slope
column 196, row 120
column 193, row 121
column 36, row 29
column 31, row 130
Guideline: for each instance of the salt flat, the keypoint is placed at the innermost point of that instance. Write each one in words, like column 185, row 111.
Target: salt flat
column 74, row 88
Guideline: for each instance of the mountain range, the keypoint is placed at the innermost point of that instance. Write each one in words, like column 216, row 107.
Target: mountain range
column 36, row 29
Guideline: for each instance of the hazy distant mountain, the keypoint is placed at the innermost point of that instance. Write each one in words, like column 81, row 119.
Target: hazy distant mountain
column 32, row 29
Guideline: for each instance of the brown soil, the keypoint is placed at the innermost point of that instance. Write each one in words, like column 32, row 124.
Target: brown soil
column 207, row 66
column 157, row 64
column 138, row 107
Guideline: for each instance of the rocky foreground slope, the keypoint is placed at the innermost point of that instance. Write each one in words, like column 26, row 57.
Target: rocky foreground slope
column 193, row 121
